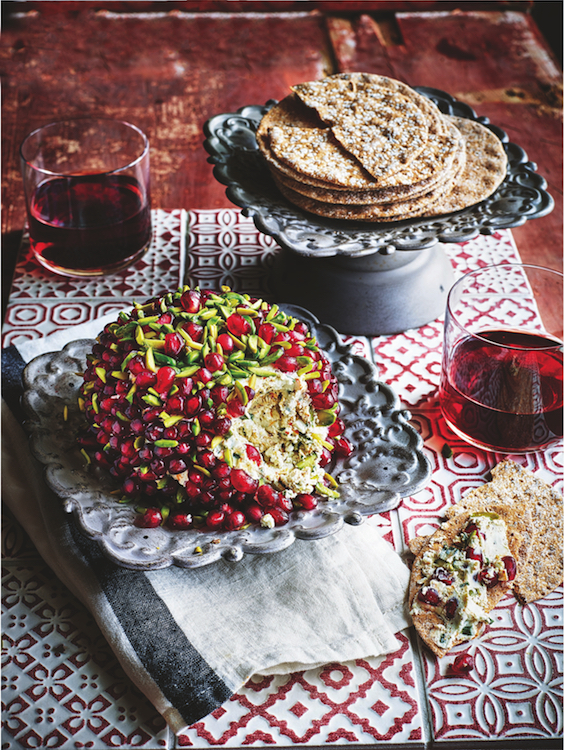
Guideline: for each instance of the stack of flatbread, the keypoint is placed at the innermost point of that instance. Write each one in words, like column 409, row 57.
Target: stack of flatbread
column 370, row 148
column 533, row 512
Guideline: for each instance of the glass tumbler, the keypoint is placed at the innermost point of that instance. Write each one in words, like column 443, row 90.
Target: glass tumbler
column 501, row 379
column 87, row 190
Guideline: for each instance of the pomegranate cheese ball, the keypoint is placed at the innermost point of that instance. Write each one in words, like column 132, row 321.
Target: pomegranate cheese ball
column 213, row 411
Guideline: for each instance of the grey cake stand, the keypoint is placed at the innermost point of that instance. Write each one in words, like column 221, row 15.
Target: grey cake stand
column 359, row 277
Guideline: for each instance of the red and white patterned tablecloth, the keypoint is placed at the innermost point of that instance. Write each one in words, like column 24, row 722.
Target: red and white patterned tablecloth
column 63, row 687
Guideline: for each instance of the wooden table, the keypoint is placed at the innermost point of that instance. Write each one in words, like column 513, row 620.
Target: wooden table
column 168, row 70
column 171, row 68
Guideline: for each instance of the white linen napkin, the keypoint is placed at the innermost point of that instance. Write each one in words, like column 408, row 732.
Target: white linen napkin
column 190, row 638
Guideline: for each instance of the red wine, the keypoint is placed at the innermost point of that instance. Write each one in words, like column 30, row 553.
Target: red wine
column 507, row 394
column 89, row 223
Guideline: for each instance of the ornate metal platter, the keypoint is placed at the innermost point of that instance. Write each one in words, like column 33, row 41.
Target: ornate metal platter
column 230, row 139
column 387, row 465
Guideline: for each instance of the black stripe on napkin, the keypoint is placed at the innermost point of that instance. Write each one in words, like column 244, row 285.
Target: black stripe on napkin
column 13, row 366
column 179, row 670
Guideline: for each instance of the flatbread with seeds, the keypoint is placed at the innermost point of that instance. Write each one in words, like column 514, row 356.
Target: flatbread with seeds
column 347, row 147
column 486, row 166
column 442, row 159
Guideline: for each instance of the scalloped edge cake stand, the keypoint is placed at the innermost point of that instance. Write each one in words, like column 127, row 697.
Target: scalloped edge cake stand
column 360, row 278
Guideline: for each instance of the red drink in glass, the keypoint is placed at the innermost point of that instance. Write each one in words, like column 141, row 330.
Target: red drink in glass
column 504, row 388
column 89, row 223
column 87, row 190
column 502, row 369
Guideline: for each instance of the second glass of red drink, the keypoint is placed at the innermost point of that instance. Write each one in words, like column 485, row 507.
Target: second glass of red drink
column 501, row 380
column 87, row 189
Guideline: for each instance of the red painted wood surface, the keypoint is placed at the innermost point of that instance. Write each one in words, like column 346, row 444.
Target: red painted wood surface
column 169, row 71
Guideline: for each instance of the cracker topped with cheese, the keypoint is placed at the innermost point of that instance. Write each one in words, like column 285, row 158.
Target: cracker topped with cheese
column 463, row 571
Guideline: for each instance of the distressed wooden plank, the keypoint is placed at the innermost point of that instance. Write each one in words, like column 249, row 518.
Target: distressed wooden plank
column 496, row 62
column 168, row 73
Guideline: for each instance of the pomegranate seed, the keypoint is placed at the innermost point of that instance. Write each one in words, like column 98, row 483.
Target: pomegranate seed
column 165, row 319
column 343, row 448
column 284, row 503
column 146, row 454
column 314, row 386
column 267, row 496
column 184, row 448
column 296, row 350
column 206, row 418
column 450, row 607
column 242, row 482
column 130, row 487
column 237, row 325
column 510, row 566
column 203, row 440
column 203, row 375
column 337, row 428
column 136, row 365
column 165, row 378
column 145, row 379
column 191, row 301
column 280, row 517
column 193, row 405
column 442, row 574
column 150, row 519
column 177, row 466
column 192, row 491
column 222, row 425
column 173, row 344
column 195, row 476
column 473, row 554
column 235, row 408
column 253, row 454
column 215, row 519
column 488, row 576
column 325, row 457
column 207, row 459
column 158, row 468
column 221, row 470
column 234, row 520
column 214, row 361
column 154, row 432
column 267, row 332
column 180, row 521
column 463, row 664
column 323, row 400
column 136, row 426
column 185, row 386
column 151, row 415
column 286, row 364
column 306, row 501
column 218, row 394
column 226, row 343
column 194, row 330
column 301, row 328
column 429, row 595
column 175, row 404
column 253, row 512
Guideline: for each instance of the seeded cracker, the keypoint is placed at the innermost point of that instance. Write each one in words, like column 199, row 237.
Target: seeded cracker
column 437, row 165
column 362, row 147
column 486, row 166
column 514, row 485
column 383, row 129
column 427, row 620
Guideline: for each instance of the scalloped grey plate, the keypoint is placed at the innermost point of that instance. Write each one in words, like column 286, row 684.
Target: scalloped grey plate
column 388, row 464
